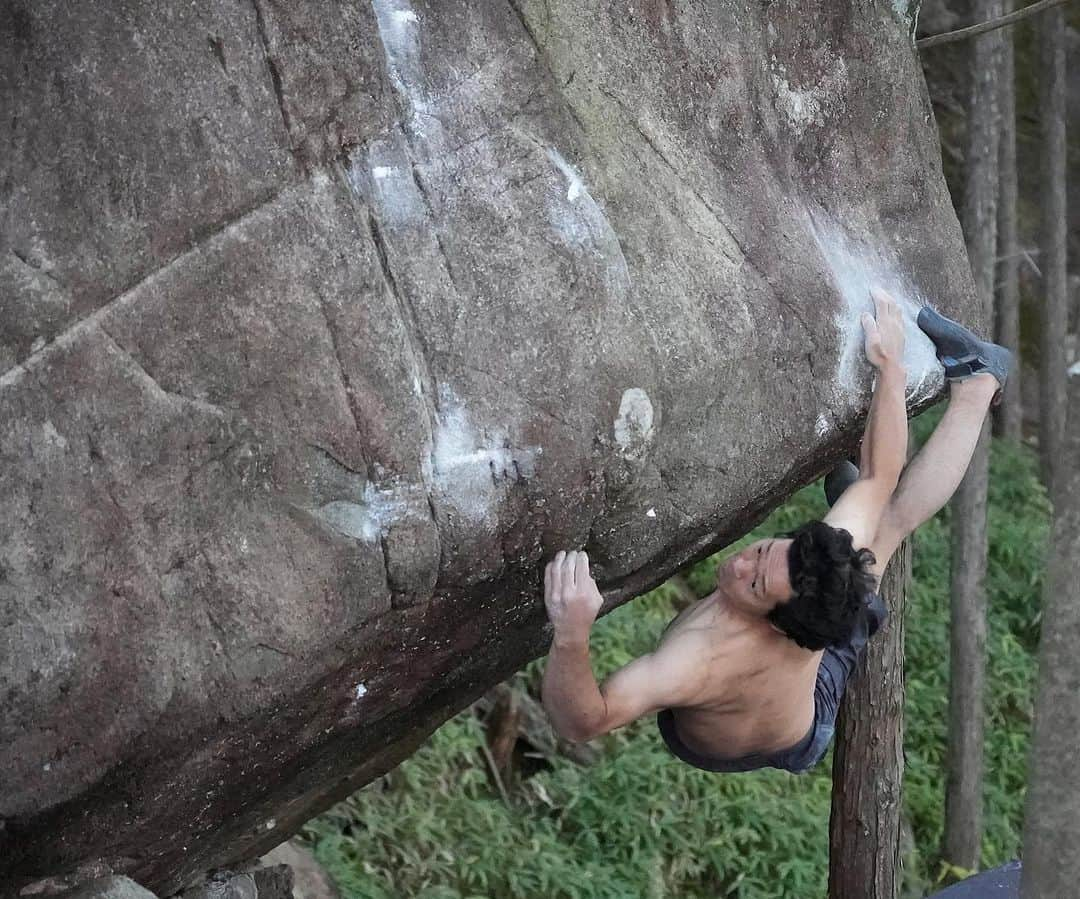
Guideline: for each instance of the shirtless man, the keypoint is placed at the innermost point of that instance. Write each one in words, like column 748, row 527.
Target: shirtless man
column 752, row 675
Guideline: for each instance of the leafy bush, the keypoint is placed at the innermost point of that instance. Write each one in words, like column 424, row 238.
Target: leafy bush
column 640, row 823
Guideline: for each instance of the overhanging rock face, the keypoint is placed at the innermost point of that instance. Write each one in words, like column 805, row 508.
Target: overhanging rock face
column 323, row 325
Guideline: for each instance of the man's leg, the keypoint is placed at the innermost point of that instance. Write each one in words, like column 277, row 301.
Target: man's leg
column 932, row 477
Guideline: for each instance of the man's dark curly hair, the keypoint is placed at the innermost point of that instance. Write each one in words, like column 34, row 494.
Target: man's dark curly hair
column 831, row 580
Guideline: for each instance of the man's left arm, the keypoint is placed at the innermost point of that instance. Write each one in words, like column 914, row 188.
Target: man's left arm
column 884, row 449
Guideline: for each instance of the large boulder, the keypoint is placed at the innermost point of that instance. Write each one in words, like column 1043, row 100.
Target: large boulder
column 323, row 325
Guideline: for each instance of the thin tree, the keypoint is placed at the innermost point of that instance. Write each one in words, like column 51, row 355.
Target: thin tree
column 964, row 761
column 868, row 762
column 1052, row 235
column 1052, row 810
column 963, row 34
column 1009, row 419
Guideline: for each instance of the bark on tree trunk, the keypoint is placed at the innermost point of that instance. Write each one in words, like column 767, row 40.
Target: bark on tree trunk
column 963, row 793
column 868, row 761
column 1052, row 812
column 1008, row 421
column 504, row 723
column 1052, row 235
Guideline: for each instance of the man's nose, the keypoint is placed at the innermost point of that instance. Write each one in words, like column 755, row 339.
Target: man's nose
column 741, row 566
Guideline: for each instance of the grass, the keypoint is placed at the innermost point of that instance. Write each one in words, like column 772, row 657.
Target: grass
column 640, row 823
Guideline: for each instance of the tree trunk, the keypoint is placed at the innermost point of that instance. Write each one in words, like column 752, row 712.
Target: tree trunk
column 1008, row 422
column 868, row 762
column 967, row 670
column 503, row 726
column 963, row 795
column 1052, row 812
column 1052, row 233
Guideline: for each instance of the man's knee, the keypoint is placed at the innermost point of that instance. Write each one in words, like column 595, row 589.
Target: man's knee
column 876, row 613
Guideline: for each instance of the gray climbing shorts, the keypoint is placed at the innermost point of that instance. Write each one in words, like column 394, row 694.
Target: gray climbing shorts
column 836, row 667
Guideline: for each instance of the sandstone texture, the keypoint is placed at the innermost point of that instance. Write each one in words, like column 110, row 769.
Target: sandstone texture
column 323, row 325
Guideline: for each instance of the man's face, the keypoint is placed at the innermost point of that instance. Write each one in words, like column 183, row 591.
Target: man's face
column 758, row 577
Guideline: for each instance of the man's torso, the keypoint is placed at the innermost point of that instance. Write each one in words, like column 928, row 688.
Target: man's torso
column 757, row 689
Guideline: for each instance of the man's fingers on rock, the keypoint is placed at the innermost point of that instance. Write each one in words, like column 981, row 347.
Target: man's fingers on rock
column 555, row 581
column 557, row 566
column 566, row 571
column 581, row 568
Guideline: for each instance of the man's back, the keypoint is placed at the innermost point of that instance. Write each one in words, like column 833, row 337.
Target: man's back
column 756, row 693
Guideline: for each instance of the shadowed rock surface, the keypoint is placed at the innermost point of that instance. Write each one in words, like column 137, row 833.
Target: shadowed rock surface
column 323, row 325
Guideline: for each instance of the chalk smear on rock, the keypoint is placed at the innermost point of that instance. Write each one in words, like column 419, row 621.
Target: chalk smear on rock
column 856, row 266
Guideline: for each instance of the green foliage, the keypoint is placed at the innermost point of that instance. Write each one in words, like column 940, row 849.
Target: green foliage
column 640, row 823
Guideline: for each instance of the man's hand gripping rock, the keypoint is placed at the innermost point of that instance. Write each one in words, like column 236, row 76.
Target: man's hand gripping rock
column 883, row 337
column 572, row 598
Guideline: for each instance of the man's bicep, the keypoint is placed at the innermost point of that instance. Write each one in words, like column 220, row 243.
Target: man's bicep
column 859, row 510
column 648, row 684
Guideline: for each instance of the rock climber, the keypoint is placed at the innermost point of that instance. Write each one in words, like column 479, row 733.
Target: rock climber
column 751, row 676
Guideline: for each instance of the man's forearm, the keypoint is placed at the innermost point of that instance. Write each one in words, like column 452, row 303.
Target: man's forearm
column 571, row 695
column 884, row 451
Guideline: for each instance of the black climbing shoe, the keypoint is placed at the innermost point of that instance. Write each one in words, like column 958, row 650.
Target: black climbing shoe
column 838, row 480
column 961, row 352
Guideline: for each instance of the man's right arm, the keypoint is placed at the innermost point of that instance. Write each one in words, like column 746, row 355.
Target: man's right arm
column 578, row 707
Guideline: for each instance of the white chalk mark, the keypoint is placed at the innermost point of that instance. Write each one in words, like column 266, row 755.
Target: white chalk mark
column 803, row 107
column 821, row 426
column 382, row 176
column 573, row 191
column 399, row 31
column 472, row 467
column 369, row 518
column 53, row 436
column 856, row 267
column 634, row 425
column 581, row 222
column 651, row 513
column 351, row 519
column 361, row 690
